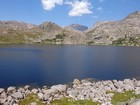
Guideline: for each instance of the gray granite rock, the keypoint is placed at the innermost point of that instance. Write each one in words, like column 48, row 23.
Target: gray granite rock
column 11, row 89
column 1, row 90
column 40, row 95
column 60, row 88
column 27, row 87
column 76, row 81
column 34, row 90
column 50, row 91
column 17, row 95
column 33, row 103
column 137, row 102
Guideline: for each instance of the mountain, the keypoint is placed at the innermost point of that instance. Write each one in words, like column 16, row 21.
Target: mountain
column 122, row 32
column 78, row 27
column 15, row 25
column 47, row 33
column 54, row 34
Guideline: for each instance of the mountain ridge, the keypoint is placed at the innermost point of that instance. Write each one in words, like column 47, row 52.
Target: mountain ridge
column 122, row 32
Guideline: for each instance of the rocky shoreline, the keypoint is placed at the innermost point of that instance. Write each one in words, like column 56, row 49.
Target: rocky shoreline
column 97, row 91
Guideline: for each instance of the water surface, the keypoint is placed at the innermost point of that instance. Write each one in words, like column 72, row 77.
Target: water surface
column 55, row 64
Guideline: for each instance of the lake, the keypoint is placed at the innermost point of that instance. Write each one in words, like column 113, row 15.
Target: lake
column 58, row 64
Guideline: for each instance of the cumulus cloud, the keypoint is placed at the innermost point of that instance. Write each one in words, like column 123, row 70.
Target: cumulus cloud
column 79, row 8
column 100, row 9
column 50, row 4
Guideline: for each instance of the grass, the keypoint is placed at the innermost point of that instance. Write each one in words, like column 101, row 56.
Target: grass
column 67, row 101
column 123, row 97
column 18, row 37
column 64, row 101
column 30, row 99
column 118, row 97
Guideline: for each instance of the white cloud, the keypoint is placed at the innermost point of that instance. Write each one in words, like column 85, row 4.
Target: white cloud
column 101, row 1
column 100, row 9
column 95, row 17
column 50, row 4
column 79, row 8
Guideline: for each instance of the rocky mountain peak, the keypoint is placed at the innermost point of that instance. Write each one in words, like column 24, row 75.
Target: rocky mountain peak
column 50, row 26
column 78, row 27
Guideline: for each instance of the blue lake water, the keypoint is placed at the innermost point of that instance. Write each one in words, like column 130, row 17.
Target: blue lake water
column 58, row 64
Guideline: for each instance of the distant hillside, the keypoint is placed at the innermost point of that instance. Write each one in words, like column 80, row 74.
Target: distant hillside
column 122, row 32
column 47, row 33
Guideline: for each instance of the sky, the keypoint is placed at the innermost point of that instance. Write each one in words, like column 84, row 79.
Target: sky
column 66, row 12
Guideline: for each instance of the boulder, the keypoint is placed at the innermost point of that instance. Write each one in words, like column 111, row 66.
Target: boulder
column 2, row 100
column 40, row 95
column 76, row 81
column 33, row 103
column 15, row 104
column 27, row 87
column 49, row 91
column 1, row 90
column 11, row 89
column 60, row 88
column 46, row 97
column 137, row 102
column 17, row 95
column 34, row 90
column 22, row 90
column 137, row 90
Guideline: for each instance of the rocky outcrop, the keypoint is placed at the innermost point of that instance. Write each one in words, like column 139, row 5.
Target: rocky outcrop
column 99, row 91
column 77, row 27
column 123, row 32
column 54, row 34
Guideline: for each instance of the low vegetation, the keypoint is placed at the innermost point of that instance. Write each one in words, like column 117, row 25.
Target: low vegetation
column 123, row 97
column 66, row 101
column 30, row 99
column 129, row 41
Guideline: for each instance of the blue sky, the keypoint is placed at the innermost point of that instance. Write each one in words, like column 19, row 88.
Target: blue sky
column 66, row 12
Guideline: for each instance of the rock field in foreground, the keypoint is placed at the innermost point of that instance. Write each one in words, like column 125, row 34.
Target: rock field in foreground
column 99, row 91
